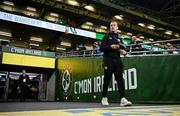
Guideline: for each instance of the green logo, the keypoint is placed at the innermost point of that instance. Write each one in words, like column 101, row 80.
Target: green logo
column 66, row 82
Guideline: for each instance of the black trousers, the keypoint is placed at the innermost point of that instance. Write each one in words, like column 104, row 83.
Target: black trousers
column 113, row 66
column 24, row 92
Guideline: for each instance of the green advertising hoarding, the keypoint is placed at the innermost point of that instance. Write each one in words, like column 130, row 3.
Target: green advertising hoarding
column 147, row 79
column 19, row 50
column 99, row 36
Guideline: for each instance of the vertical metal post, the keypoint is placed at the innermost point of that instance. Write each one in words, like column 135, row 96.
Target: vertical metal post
column 7, row 87
column 130, row 49
column 151, row 49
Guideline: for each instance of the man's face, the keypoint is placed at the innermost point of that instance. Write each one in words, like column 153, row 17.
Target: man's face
column 23, row 72
column 134, row 38
column 113, row 27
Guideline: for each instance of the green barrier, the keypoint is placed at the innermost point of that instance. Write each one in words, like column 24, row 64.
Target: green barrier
column 147, row 79
column 18, row 50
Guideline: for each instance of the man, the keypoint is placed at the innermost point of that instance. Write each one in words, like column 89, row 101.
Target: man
column 96, row 47
column 24, row 83
column 112, row 48
column 135, row 46
column 133, row 40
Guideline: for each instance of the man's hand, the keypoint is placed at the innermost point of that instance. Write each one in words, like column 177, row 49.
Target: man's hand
column 115, row 46
column 123, row 52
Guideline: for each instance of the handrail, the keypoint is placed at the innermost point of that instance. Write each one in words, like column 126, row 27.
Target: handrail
column 164, row 41
column 130, row 51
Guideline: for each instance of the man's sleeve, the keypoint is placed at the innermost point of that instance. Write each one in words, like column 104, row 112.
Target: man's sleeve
column 20, row 79
column 105, row 47
column 28, row 78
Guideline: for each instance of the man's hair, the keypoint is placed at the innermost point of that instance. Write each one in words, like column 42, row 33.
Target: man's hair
column 114, row 20
column 133, row 36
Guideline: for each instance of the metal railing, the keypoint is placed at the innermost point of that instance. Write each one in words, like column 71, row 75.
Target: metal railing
column 151, row 48
column 82, row 53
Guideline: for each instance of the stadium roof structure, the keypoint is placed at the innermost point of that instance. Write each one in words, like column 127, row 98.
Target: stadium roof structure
column 159, row 19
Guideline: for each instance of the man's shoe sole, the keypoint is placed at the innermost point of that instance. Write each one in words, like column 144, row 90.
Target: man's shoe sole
column 123, row 105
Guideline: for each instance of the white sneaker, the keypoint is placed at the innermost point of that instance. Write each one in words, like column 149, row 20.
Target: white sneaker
column 125, row 102
column 104, row 101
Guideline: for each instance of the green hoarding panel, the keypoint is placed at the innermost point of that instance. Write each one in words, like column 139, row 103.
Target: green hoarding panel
column 99, row 36
column 33, row 52
column 147, row 79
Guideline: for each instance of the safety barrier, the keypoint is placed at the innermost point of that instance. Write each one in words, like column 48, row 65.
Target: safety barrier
column 148, row 79
column 150, row 48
